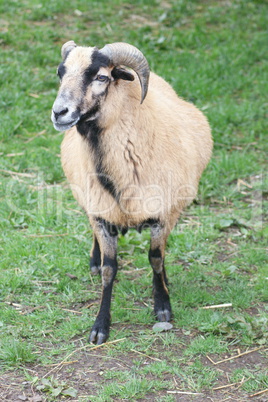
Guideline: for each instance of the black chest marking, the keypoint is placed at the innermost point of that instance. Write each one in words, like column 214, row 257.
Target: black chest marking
column 91, row 131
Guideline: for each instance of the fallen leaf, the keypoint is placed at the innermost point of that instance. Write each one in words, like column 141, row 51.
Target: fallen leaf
column 22, row 398
column 70, row 392
column 162, row 326
column 36, row 398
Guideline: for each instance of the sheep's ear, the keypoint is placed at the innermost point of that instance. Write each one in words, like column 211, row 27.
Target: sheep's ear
column 121, row 73
column 67, row 48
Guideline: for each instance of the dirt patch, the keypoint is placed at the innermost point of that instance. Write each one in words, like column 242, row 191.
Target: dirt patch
column 252, row 360
column 85, row 371
column 14, row 388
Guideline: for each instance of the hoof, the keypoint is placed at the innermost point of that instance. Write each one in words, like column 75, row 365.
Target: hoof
column 98, row 337
column 100, row 331
column 162, row 310
column 95, row 269
column 163, row 315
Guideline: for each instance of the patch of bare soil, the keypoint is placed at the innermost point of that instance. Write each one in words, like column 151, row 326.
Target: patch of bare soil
column 252, row 359
column 84, row 371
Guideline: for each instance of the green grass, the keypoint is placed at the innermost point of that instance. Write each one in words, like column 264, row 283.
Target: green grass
column 214, row 53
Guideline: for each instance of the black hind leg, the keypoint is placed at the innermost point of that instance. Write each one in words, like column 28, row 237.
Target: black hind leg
column 95, row 257
column 162, row 307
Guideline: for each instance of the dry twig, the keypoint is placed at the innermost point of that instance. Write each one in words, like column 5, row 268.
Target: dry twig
column 34, row 95
column 258, row 393
column 37, row 135
column 11, row 173
column 230, row 385
column 48, row 235
column 72, row 311
column 63, row 363
column 143, row 354
column 15, row 154
column 209, row 358
column 218, row 306
column 184, row 393
column 235, row 357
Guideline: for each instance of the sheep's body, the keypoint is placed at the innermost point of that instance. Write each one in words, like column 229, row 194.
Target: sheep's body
column 154, row 156
column 128, row 164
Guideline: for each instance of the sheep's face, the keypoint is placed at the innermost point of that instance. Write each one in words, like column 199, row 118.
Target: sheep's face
column 85, row 76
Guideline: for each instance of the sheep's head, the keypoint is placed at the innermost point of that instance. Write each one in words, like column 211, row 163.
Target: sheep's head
column 86, row 74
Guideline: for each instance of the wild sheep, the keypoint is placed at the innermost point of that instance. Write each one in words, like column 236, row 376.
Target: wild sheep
column 133, row 154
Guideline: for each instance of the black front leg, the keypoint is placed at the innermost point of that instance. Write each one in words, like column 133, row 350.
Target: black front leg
column 162, row 307
column 106, row 236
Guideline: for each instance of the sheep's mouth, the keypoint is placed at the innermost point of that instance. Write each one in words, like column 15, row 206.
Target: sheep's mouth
column 92, row 114
column 65, row 126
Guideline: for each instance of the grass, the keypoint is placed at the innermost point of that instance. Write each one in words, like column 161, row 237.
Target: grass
column 214, row 53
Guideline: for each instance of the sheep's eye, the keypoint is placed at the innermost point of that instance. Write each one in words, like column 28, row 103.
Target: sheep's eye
column 102, row 78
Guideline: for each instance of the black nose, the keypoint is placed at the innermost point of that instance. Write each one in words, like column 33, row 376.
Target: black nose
column 61, row 113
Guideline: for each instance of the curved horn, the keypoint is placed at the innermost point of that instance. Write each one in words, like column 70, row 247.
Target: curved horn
column 67, row 47
column 129, row 56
